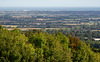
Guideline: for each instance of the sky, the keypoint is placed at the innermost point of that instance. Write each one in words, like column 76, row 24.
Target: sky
column 49, row 3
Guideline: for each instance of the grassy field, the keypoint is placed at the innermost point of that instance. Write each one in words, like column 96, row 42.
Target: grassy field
column 25, row 29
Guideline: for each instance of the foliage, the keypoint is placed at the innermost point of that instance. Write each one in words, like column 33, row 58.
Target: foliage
column 37, row 46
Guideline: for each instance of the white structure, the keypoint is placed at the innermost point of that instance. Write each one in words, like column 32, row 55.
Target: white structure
column 96, row 39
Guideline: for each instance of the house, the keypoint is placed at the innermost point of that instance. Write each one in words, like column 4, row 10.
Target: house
column 96, row 39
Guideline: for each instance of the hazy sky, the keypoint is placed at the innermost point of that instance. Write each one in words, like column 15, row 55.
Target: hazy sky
column 49, row 3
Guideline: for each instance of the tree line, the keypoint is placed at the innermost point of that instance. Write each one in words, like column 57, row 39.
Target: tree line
column 38, row 46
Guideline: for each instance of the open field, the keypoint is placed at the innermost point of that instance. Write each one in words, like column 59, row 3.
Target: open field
column 25, row 29
column 10, row 25
column 95, row 30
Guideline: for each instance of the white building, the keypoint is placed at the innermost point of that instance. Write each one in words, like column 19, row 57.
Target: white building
column 96, row 39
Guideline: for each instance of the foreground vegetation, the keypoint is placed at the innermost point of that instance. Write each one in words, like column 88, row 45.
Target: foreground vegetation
column 37, row 46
